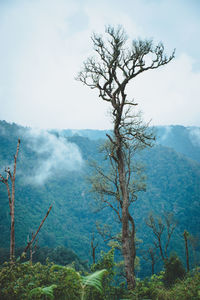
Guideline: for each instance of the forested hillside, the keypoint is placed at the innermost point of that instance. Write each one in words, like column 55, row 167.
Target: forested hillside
column 53, row 167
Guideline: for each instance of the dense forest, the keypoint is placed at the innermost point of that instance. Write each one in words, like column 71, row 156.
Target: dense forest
column 53, row 168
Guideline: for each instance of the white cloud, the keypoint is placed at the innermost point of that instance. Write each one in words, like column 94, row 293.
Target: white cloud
column 44, row 45
column 170, row 95
column 195, row 135
column 55, row 155
column 39, row 88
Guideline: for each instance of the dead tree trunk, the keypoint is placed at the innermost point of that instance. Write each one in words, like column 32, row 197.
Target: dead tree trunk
column 29, row 244
column 185, row 235
column 32, row 250
column 93, row 249
column 11, row 199
column 150, row 255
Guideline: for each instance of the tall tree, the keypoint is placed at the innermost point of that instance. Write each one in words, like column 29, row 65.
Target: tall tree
column 11, row 199
column 110, row 73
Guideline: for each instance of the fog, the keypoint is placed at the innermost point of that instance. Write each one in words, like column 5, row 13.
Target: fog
column 55, row 156
column 195, row 135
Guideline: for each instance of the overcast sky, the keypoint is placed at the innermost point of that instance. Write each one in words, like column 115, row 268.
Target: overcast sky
column 44, row 42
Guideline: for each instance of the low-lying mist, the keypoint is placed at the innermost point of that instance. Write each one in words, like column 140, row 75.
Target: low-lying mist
column 55, row 155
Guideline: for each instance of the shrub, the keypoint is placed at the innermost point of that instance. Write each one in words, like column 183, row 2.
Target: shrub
column 23, row 281
column 154, row 289
column 173, row 270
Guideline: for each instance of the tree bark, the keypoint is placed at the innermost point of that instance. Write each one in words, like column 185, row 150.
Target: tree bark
column 128, row 248
column 12, row 211
column 93, row 249
column 12, row 234
column 128, row 243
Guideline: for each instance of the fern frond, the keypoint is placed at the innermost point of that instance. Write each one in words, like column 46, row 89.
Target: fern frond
column 47, row 291
column 94, row 280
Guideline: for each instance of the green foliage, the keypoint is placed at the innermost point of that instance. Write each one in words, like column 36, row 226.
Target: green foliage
column 154, row 289
column 173, row 270
column 112, row 288
column 145, row 288
column 93, row 280
column 23, row 281
column 106, row 261
column 38, row 293
column 50, row 281
column 172, row 185
column 59, row 255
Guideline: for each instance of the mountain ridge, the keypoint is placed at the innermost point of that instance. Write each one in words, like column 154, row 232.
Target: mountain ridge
column 52, row 168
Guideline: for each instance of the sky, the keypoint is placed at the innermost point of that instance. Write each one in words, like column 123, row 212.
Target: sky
column 44, row 43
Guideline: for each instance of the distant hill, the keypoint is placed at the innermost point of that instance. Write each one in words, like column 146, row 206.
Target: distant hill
column 52, row 168
column 185, row 140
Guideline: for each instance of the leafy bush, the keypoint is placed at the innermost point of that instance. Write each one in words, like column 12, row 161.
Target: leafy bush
column 173, row 270
column 154, row 288
column 23, row 281
column 50, row 281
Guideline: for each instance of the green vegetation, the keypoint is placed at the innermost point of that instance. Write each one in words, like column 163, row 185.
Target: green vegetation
column 173, row 270
column 51, row 281
column 172, row 185
column 92, row 281
column 154, row 288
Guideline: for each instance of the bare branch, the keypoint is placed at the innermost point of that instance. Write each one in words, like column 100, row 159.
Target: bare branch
column 158, row 227
column 36, row 233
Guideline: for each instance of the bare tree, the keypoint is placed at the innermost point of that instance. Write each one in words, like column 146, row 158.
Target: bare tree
column 186, row 236
column 110, row 72
column 30, row 243
column 162, row 231
column 151, row 255
column 93, row 247
column 11, row 199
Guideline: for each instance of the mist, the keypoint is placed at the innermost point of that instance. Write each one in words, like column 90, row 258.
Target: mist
column 55, row 156
column 195, row 135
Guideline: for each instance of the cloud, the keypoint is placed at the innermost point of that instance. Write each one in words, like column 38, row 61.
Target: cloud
column 167, row 131
column 2, row 130
column 55, row 156
column 170, row 95
column 44, row 54
column 194, row 134
column 46, row 41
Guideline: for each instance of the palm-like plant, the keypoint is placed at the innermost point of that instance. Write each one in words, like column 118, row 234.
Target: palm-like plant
column 93, row 280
